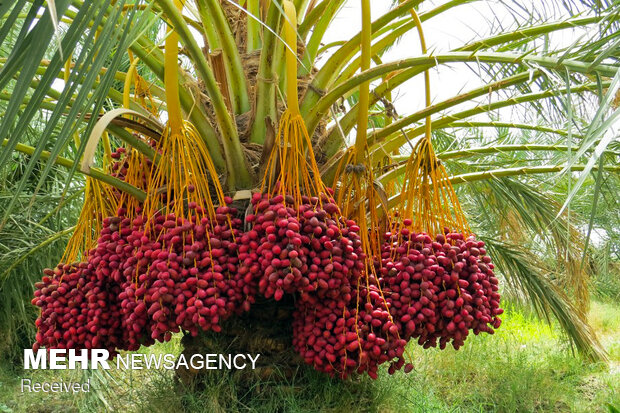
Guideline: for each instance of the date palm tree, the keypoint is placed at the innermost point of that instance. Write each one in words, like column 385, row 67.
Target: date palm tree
column 537, row 135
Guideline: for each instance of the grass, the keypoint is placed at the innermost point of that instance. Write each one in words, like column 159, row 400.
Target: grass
column 525, row 367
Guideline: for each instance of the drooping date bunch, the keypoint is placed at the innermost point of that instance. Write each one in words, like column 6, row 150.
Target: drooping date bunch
column 78, row 310
column 308, row 248
column 470, row 299
column 342, row 326
column 440, row 289
column 411, row 280
column 334, row 250
column 188, row 277
column 89, row 296
column 342, row 338
column 155, row 278
column 275, row 245
column 339, row 327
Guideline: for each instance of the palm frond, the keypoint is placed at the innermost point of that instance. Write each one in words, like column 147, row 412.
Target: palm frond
column 530, row 279
column 525, row 213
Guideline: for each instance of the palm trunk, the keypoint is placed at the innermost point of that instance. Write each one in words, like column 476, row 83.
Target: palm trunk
column 266, row 330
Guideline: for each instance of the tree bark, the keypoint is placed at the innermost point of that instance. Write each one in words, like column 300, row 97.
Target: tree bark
column 266, row 330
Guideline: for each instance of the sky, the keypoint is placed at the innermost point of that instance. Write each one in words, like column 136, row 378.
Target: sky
column 442, row 33
column 448, row 30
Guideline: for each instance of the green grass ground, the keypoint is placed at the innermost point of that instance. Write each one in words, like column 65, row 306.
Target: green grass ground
column 525, row 367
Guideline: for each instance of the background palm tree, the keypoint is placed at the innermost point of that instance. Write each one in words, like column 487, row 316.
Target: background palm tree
column 532, row 151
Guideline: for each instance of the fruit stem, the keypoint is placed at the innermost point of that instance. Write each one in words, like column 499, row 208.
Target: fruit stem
column 128, row 80
column 427, row 79
column 290, row 35
column 171, row 57
column 362, row 116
